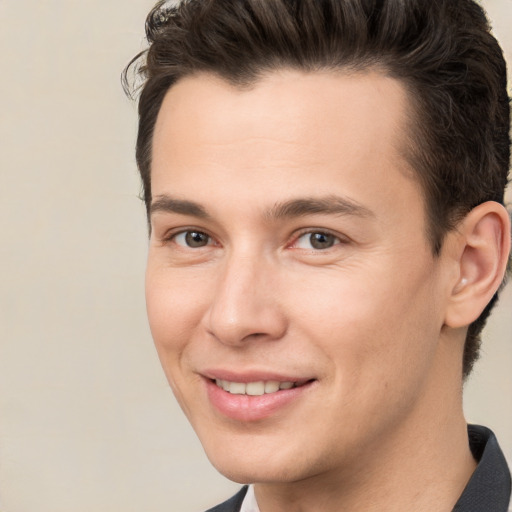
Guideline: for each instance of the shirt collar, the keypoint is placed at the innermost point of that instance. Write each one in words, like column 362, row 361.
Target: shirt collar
column 489, row 487
column 249, row 504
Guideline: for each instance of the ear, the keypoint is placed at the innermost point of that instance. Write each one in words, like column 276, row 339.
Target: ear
column 483, row 240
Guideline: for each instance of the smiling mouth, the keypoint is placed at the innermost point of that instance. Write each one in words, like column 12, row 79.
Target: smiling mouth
column 258, row 388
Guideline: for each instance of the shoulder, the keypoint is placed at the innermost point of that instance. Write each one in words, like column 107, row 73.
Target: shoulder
column 233, row 504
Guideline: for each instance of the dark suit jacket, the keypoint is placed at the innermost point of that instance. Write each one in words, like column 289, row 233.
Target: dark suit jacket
column 233, row 504
column 488, row 490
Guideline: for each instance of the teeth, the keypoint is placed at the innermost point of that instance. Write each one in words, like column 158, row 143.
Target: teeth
column 237, row 388
column 271, row 386
column 253, row 388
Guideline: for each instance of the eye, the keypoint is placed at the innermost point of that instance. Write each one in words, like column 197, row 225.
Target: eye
column 192, row 239
column 317, row 240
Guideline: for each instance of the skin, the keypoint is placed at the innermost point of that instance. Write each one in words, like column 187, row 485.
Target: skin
column 375, row 320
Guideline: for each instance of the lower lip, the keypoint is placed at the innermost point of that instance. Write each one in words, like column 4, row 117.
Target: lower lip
column 252, row 408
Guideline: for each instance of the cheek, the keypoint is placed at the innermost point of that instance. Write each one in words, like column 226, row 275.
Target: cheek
column 174, row 313
column 175, row 308
column 372, row 331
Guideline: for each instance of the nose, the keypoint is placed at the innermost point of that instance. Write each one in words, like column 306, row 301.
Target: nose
column 246, row 303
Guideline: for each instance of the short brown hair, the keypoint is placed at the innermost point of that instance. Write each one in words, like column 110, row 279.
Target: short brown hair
column 441, row 50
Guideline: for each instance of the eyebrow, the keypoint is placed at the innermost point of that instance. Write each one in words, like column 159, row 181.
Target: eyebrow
column 167, row 204
column 330, row 205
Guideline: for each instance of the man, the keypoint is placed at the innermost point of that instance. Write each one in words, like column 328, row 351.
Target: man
column 324, row 184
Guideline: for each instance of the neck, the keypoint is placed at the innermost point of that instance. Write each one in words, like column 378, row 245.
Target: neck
column 428, row 476
column 423, row 465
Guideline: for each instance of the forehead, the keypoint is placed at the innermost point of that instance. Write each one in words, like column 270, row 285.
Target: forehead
column 288, row 103
column 305, row 130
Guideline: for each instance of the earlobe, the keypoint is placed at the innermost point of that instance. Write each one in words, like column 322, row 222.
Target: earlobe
column 484, row 235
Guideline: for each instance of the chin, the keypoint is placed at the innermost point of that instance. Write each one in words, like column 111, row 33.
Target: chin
column 245, row 472
column 239, row 475
column 249, row 460
column 239, row 460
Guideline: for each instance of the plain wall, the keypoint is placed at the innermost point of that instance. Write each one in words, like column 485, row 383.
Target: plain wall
column 87, row 420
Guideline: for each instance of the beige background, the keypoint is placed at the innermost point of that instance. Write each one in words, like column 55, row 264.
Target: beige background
column 87, row 422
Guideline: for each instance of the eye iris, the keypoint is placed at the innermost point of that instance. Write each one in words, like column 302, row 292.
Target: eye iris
column 196, row 239
column 321, row 240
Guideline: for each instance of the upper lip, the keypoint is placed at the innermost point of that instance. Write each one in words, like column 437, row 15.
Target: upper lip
column 252, row 376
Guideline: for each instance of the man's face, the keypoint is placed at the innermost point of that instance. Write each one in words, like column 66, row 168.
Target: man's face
column 289, row 247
